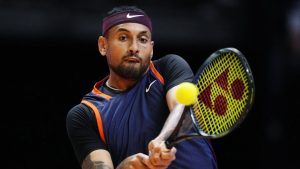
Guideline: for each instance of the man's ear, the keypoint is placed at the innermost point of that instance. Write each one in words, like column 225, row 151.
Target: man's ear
column 151, row 55
column 152, row 43
column 102, row 45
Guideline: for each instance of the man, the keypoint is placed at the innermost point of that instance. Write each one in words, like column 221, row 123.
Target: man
column 124, row 121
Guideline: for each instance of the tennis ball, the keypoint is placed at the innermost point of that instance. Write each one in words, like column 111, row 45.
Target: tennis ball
column 186, row 93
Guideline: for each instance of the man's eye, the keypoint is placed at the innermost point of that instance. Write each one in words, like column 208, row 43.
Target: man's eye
column 144, row 40
column 122, row 38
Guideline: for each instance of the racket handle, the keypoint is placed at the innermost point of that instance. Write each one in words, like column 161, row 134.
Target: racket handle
column 169, row 145
column 185, row 123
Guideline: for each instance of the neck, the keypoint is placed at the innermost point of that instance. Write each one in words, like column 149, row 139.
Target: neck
column 118, row 83
column 112, row 87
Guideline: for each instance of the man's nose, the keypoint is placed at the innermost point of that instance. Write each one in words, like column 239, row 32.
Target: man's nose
column 133, row 48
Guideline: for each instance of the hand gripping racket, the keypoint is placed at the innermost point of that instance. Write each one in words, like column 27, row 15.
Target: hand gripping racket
column 226, row 93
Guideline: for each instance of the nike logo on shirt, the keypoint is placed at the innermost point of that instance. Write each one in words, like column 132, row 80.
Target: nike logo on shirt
column 147, row 89
column 132, row 16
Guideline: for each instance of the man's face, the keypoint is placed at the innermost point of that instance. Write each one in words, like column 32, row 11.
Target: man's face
column 129, row 50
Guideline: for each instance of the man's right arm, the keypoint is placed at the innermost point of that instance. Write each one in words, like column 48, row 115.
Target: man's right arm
column 83, row 134
column 88, row 147
column 98, row 159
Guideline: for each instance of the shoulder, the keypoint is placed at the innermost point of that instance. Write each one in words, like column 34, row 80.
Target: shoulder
column 80, row 113
column 78, row 110
column 174, row 69
column 170, row 62
column 169, row 58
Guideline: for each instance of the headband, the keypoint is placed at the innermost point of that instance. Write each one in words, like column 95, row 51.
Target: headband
column 124, row 17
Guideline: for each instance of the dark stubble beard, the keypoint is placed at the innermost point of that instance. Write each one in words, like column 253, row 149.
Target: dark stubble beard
column 130, row 71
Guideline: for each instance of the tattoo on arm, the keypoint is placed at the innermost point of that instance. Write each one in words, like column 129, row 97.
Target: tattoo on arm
column 100, row 165
column 88, row 164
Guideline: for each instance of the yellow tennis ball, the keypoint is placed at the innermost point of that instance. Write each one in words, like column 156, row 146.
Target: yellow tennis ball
column 186, row 93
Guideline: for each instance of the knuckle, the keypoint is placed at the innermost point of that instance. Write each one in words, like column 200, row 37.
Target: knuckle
column 155, row 161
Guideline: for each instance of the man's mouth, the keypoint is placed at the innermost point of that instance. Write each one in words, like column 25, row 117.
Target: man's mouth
column 132, row 59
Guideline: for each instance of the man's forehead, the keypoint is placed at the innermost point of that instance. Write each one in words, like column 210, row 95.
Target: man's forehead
column 131, row 27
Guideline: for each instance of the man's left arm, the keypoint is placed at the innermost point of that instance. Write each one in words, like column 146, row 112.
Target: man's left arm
column 159, row 154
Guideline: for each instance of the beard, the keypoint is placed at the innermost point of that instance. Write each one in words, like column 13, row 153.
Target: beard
column 131, row 70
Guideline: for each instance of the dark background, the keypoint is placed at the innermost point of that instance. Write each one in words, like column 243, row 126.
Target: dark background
column 49, row 59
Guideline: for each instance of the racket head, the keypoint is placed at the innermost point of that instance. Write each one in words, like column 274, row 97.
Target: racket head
column 226, row 93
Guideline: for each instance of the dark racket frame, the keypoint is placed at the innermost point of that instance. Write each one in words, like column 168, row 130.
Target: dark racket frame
column 226, row 93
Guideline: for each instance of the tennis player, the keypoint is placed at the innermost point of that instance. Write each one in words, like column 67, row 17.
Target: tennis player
column 126, row 118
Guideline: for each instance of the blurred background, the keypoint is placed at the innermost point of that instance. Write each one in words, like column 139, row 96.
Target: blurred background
column 50, row 60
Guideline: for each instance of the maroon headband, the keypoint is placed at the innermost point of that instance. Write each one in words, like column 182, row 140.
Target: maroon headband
column 124, row 17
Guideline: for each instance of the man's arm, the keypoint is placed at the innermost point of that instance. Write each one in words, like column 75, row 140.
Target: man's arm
column 98, row 159
column 175, row 70
column 101, row 159
column 176, row 111
column 159, row 154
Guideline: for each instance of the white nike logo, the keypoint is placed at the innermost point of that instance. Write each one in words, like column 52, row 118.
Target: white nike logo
column 132, row 16
column 147, row 89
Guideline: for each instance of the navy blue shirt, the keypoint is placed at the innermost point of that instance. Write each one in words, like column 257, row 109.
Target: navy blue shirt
column 131, row 119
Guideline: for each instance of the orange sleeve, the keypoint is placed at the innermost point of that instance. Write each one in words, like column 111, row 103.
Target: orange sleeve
column 98, row 119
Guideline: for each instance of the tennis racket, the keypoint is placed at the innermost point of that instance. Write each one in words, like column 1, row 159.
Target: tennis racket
column 226, row 92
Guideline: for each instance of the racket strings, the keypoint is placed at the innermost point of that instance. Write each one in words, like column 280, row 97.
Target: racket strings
column 223, row 88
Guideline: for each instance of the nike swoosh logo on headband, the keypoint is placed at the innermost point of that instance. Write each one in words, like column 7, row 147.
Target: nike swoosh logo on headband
column 132, row 16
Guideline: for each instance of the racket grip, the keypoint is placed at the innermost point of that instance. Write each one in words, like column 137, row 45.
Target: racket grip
column 184, row 124
column 169, row 145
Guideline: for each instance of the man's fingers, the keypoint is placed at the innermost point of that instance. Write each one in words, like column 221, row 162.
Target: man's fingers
column 147, row 163
column 168, row 155
column 159, row 155
column 141, row 162
column 164, row 158
column 155, row 158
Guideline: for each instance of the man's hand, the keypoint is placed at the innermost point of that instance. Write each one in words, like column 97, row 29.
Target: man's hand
column 159, row 155
column 136, row 161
